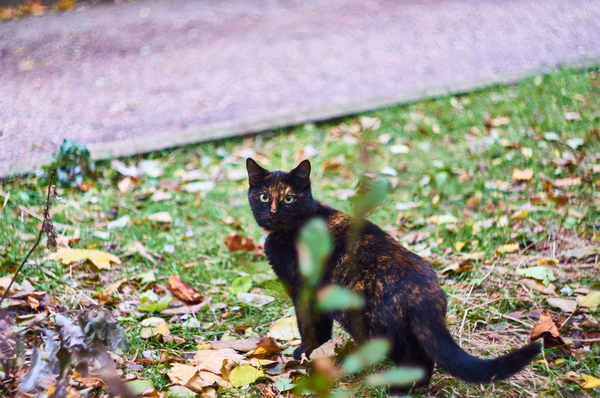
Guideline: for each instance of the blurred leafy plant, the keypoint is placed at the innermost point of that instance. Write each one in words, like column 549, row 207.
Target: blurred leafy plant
column 71, row 163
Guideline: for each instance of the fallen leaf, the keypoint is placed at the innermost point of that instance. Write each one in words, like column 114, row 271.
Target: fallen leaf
column 520, row 215
column 372, row 123
column 186, row 309
column 285, row 329
column 180, row 392
column 572, row 116
column 499, row 121
column 590, row 382
column 99, row 258
column 183, row 290
column 235, row 242
column 546, row 328
column 243, row 375
column 150, row 168
column 255, row 300
column 581, row 253
column 266, row 345
column 539, row 286
column 563, row 304
column 154, row 326
column 522, row 175
column 161, row 195
column 128, row 171
column 443, row 219
column 243, row 345
column 162, row 216
column 457, row 268
column 212, row 360
column 539, row 272
column 567, row 182
column 510, row 248
column 325, row 350
column 591, row 300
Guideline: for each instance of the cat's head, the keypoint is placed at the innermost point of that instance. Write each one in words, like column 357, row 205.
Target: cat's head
column 279, row 199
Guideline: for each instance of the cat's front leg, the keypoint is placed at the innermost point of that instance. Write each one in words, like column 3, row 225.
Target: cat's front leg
column 314, row 331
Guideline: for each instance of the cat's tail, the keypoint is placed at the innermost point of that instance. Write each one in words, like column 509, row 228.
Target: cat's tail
column 435, row 338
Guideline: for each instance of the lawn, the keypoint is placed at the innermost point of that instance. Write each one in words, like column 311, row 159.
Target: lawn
column 487, row 185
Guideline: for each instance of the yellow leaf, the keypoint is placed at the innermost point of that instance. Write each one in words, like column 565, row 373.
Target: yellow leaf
column 459, row 245
column 519, row 215
column 243, row 375
column 154, row 326
column 590, row 382
column 591, row 300
column 522, row 175
column 285, row 329
column 99, row 258
column 510, row 248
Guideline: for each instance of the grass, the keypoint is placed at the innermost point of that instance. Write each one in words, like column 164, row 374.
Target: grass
column 457, row 164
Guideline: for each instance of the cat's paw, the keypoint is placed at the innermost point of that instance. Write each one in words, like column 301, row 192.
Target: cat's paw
column 299, row 351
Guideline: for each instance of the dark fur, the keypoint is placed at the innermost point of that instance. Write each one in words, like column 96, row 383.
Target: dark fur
column 403, row 299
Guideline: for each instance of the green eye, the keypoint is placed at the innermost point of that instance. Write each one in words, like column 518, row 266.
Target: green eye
column 263, row 198
column 288, row 199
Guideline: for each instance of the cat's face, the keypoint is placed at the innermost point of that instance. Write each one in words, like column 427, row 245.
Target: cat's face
column 280, row 200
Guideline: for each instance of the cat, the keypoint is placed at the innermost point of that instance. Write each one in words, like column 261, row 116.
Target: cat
column 404, row 302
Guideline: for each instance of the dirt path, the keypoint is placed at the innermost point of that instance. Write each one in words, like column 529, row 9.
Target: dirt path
column 133, row 78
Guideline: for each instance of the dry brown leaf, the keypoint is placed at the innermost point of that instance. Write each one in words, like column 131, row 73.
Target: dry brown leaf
column 187, row 309
column 546, row 328
column 235, row 242
column 183, row 290
column 212, row 360
column 265, row 346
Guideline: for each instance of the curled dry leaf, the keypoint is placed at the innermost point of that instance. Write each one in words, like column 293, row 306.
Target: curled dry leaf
column 590, row 382
column 183, row 290
column 546, row 328
column 265, row 346
column 99, row 258
column 235, row 242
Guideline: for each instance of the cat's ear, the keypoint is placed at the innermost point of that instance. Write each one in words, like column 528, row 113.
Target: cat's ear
column 302, row 173
column 255, row 172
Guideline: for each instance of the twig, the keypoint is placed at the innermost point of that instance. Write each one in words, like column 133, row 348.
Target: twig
column 488, row 274
column 465, row 316
column 37, row 242
column 586, row 340
column 566, row 320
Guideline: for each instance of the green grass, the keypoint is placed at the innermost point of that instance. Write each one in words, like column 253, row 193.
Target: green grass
column 453, row 164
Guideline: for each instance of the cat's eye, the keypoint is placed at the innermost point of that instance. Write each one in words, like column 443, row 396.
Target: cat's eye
column 288, row 199
column 263, row 198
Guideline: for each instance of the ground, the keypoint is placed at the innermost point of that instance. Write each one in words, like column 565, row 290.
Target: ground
column 486, row 185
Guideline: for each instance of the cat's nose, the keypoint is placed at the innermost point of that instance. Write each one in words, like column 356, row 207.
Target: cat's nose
column 273, row 208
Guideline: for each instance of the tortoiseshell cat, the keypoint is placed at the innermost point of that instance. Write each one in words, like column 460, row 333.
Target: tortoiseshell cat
column 403, row 298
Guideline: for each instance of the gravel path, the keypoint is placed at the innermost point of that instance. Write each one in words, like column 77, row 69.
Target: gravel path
column 133, row 78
